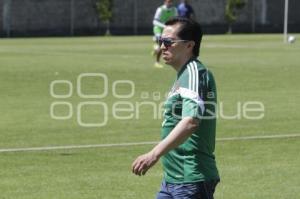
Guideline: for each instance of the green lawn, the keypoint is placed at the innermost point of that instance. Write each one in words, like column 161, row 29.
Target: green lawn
column 247, row 68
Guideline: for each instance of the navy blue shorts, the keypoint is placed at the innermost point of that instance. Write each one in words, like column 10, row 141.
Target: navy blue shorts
column 198, row 190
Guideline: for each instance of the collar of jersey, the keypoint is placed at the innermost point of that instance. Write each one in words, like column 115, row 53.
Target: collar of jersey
column 165, row 7
column 184, row 66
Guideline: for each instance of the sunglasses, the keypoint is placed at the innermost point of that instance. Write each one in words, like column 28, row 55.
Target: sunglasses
column 169, row 42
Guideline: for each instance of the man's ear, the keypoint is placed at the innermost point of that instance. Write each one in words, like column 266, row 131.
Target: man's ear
column 191, row 44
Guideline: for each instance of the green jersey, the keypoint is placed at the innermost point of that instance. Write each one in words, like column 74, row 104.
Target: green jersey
column 193, row 95
column 162, row 15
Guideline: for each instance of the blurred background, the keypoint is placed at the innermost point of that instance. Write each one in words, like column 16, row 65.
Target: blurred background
column 83, row 17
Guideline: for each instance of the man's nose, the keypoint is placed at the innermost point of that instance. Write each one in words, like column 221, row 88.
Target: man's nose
column 162, row 46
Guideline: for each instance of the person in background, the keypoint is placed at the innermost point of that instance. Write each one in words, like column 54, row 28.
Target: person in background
column 163, row 13
column 185, row 10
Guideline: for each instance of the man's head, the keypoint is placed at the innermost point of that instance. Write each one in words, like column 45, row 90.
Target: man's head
column 168, row 3
column 185, row 36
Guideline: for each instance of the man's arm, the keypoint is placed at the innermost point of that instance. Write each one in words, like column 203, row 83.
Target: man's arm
column 156, row 20
column 177, row 136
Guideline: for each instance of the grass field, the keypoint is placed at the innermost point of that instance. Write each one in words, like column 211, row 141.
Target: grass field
column 247, row 68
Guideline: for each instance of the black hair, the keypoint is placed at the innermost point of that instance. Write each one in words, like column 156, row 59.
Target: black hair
column 189, row 30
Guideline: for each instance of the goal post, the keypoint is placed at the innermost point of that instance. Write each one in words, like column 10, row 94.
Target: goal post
column 286, row 16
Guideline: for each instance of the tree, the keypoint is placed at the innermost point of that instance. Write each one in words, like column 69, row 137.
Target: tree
column 232, row 10
column 104, row 11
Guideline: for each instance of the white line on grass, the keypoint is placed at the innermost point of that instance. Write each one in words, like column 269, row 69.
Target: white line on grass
column 138, row 143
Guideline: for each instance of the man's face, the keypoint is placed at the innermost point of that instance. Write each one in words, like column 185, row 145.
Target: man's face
column 177, row 51
column 168, row 3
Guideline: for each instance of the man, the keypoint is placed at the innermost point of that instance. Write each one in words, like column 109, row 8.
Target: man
column 185, row 10
column 162, row 14
column 188, row 130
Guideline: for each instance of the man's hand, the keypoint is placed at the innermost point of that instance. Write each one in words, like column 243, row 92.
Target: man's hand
column 144, row 162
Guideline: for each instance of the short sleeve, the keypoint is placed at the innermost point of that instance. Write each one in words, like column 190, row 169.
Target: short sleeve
column 190, row 85
column 192, row 104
